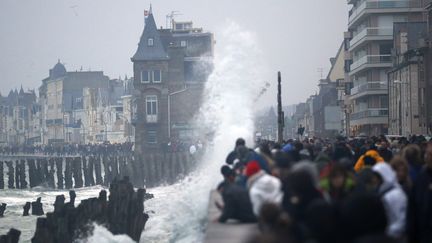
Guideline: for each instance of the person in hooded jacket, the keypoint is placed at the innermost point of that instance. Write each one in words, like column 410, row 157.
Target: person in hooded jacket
column 368, row 160
column 394, row 199
column 263, row 188
column 237, row 204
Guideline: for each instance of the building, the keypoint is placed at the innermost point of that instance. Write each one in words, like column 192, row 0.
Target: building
column 61, row 94
column 170, row 69
column 371, row 26
column 19, row 118
column 266, row 125
column 407, row 80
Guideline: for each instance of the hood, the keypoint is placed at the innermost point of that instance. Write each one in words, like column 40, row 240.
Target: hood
column 265, row 183
column 374, row 154
column 387, row 174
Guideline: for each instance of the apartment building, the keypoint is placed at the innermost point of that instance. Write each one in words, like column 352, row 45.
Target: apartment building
column 370, row 49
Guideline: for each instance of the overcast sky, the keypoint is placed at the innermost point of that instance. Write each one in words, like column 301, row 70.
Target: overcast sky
column 297, row 37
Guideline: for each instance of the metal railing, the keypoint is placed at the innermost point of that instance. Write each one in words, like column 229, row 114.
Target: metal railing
column 370, row 32
column 382, row 4
column 369, row 86
column 379, row 112
column 371, row 59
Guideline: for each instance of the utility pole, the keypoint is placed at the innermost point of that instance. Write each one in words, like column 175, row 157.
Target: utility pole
column 280, row 112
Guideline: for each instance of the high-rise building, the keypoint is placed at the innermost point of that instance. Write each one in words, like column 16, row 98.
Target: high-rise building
column 171, row 67
column 371, row 25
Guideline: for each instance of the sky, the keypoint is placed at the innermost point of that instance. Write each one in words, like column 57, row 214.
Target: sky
column 296, row 37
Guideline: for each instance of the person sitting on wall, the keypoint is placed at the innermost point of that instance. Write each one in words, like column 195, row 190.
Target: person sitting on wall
column 237, row 204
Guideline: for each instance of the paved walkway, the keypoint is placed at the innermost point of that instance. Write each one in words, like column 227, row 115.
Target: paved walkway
column 230, row 232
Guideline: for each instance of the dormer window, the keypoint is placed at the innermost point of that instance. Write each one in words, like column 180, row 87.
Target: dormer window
column 150, row 41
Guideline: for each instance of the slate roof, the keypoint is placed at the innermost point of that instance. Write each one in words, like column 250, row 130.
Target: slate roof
column 58, row 71
column 146, row 52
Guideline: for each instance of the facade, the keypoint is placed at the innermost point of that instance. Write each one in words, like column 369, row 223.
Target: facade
column 61, row 94
column 267, row 125
column 407, row 81
column 84, row 107
column 322, row 115
column 170, row 70
column 19, row 118
column 371, row 26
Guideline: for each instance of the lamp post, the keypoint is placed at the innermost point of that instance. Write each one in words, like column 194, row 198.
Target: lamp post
column 280, row 112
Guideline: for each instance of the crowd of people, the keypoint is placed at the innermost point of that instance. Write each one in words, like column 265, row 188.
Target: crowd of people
column 358, row 190
column 69, row 149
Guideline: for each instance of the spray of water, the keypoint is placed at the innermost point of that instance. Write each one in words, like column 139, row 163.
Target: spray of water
column 180, row 210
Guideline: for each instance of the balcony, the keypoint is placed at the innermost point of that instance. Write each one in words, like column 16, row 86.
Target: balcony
column 370, row 113
column 383, row 6
column 370, row 61
column 371, row 34
column 369, row 88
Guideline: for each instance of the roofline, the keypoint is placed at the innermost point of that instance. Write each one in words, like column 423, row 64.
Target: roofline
column 337, row 55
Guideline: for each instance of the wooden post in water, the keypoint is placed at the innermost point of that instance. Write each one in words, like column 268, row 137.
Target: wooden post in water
column 1, row 175
column 68, row 173
column 39, row 172
column 17, row 175
column 51, row 172
column 32, row 172
column 77, row 172
column 85, row 166
column 115, row 170
column 59, row 166
column 23, row 182
column 171, row 165
column 11, row 175
column 44, row 171
column 98, row 170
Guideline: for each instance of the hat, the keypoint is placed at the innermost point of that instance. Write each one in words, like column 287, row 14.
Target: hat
column 287, row 148
column 252, row 168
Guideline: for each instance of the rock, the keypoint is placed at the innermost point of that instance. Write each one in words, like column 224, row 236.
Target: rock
column 59, row 203
column 123, row 213
column 26, row 209
column 37, row 208
column 2, row 209
column 11, row 237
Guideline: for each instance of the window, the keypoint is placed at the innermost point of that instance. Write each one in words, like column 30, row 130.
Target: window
column 157, row 76
column 151, row 108
column 151, row 102
column 150, row 41
column 183, row 43
column 151, row 137
column 145, row 77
